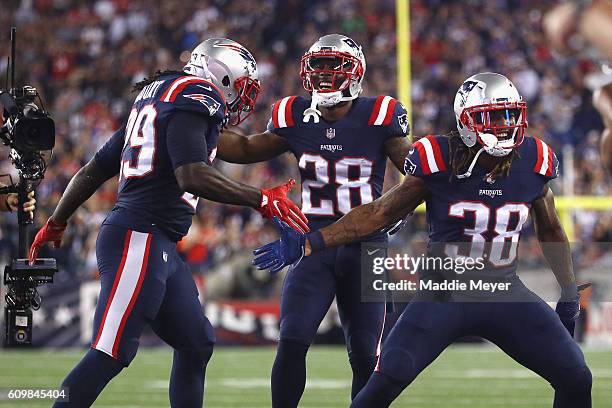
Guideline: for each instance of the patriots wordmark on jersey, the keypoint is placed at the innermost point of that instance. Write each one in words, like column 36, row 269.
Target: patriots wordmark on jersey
column 342, row 163
column 146, row 160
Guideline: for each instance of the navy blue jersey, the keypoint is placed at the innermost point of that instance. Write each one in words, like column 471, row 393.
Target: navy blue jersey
column 342, row 163
column 146, row 153
column 488, row 214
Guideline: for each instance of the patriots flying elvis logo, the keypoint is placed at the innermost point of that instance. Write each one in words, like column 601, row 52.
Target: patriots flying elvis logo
column 403, row 122
column 206, row 100
column 466, row 88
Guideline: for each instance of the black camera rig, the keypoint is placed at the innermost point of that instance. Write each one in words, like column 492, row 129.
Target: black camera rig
column 29, row 131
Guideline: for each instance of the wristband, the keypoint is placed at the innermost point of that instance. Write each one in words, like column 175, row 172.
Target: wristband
column 315, row 239
column 569, row 293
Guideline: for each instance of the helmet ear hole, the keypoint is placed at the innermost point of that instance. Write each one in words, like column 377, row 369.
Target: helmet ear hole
column 225, row 81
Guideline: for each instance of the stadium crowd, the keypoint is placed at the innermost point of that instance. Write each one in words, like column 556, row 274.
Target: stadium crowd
column 84, row 56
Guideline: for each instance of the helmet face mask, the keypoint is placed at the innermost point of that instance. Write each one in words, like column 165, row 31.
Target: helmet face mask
column 490, row 112
column 232, row 69
column 248, row 90
column 329, row 71
column 506, row 121
column 333, row 69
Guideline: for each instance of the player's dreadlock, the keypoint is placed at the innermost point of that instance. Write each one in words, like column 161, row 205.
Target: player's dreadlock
column 462, row 156
column 139, row 85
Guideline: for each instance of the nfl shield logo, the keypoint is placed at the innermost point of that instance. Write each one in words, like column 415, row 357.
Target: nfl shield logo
column 330, row 133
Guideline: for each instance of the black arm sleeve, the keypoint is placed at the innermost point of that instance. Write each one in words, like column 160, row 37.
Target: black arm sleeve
column 108, row 158
column 186, row 138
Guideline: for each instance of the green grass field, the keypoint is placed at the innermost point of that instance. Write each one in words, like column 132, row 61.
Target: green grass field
column 464, row 376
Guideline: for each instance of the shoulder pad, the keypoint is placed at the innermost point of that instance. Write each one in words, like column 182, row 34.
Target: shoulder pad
column 282, row 112
column 546, row 162
column 382, row 112
column 426, row 157
column 197, row 95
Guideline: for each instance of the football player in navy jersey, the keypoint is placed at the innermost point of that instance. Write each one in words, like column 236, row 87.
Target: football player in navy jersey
column 341, row 141
column 479, row 185
column 163, row 157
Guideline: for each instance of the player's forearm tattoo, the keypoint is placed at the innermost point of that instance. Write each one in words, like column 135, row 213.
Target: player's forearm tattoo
column 82, row 186
column 369, row 218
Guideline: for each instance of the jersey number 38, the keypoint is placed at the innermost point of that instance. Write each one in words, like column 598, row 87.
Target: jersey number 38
column 503, row 232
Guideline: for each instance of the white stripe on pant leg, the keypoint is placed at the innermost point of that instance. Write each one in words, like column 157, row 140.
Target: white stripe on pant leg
column 545, row 163
column 282, row 120
column 431, row 157
column 379, row 344
column 382, row 112
column 382, row 330
column 125, row 290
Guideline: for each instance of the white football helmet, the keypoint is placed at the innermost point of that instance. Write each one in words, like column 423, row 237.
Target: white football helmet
column 490, row 111
column 232, row 69
column 332, row 70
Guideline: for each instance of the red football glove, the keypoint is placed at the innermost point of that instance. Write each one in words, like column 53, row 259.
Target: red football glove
column 274, row 203
column 51, row 231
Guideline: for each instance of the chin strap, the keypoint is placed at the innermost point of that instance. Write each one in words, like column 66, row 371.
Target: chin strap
column 468, row 173
column 327, row 99
column 312, row 112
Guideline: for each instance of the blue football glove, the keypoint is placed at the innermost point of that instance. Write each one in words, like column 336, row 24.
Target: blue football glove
column 568, row 308
column 288, row 250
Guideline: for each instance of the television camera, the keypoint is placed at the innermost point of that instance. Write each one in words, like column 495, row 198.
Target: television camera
column 29, row 131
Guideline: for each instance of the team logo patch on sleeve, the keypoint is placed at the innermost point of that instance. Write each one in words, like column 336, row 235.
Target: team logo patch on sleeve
column 409, row 166
column 403, row 122
column 206, row 100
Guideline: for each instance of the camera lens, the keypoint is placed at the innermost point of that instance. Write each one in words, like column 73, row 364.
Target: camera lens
column 20, row 336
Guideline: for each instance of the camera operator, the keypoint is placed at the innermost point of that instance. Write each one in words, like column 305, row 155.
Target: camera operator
column 8, row 202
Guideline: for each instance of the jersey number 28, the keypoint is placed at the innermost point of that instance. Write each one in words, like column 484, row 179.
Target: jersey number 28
column 344, row 184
